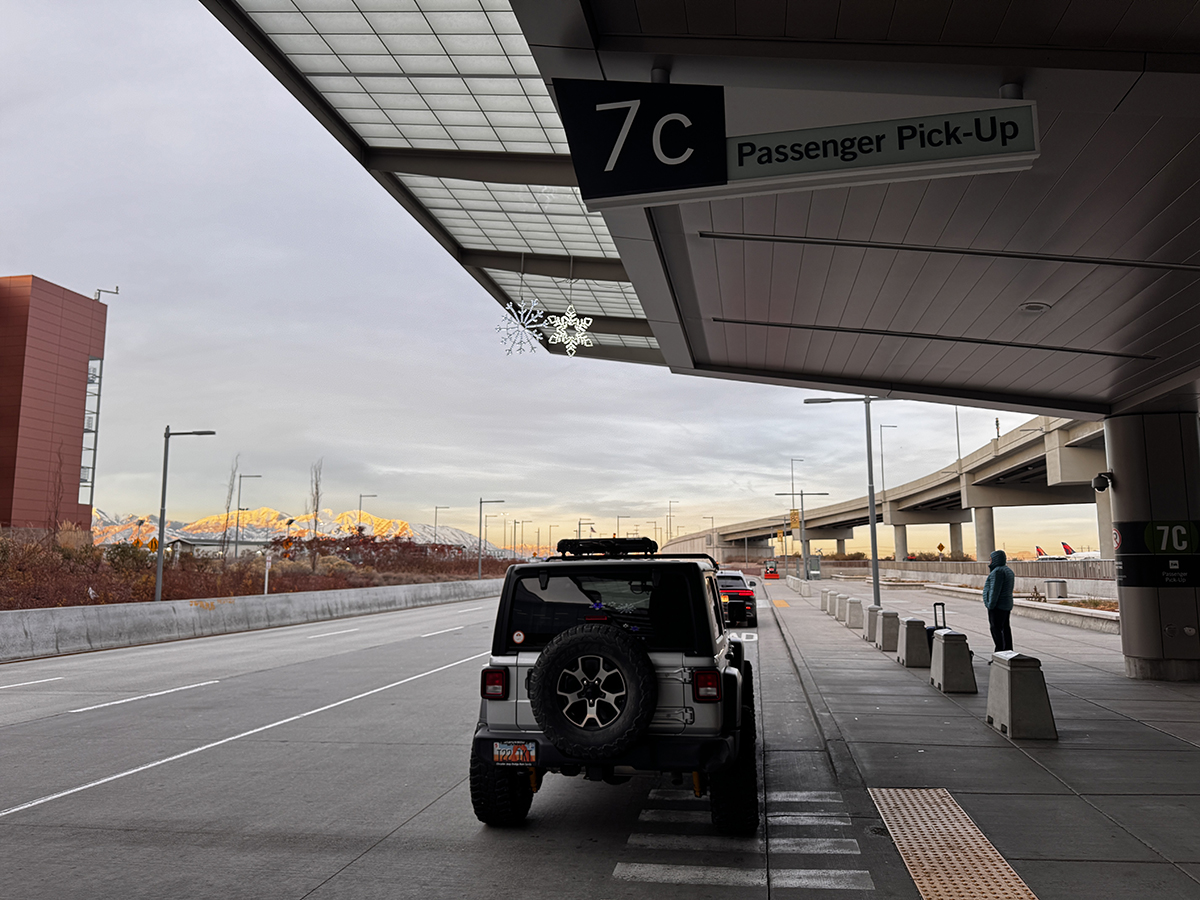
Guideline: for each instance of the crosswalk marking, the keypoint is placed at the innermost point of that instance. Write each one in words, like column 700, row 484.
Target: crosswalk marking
column 827, row 879
column 710, row 843
column 675, row 816
column 802, row 797
column 674, row 794
column 843, row 846
column 786, row 819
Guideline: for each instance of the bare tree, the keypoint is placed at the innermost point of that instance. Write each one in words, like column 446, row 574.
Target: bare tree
column 233, row 468
column 315, row 481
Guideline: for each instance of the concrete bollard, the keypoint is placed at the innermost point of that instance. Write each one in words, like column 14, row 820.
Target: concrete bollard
column 854, row 614
column 950, row 669
column 889, row 631
column 912, row 649
column 842, row 601
column 833, row 602
column 1018, row 702
column 871, row 628
column 824, row 600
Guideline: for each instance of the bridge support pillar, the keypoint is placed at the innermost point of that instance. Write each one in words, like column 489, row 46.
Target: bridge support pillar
column 1155, row 461
column 901, row 533
column 956, row 544
column 841, row 547
column 985, row 532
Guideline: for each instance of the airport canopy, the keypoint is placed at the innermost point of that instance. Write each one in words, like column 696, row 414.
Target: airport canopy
column 967, row 201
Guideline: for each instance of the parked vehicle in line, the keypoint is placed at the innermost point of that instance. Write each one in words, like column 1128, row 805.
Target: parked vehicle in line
column 769, row 570
column 737, row 598
column 608, row 661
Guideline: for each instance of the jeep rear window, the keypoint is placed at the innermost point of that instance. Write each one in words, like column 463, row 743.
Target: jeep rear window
column 654, row 604
column 731, row 581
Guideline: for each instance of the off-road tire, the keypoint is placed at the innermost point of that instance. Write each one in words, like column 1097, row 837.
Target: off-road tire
column 500, row 795
column 733, row 792
column 628, row 657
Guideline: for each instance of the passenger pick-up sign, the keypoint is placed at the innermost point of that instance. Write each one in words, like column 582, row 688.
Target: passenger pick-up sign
column 635, row 143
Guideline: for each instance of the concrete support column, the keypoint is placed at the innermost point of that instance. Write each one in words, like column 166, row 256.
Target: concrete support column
column 1104, row 523
column 901, row 537
column 841, row 546
column 956, row 544
column 985, row 532
column 1155, row 497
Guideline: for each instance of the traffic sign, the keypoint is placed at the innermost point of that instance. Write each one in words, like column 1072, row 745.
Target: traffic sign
column 137, row 542
column 941, row 547
column 636, row 137
column 153, row 545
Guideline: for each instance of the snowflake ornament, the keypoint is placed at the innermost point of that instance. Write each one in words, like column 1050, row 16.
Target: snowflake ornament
column 518, row 330
column 570, row 330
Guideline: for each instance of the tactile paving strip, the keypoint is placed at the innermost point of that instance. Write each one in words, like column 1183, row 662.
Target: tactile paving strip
column 946, row 853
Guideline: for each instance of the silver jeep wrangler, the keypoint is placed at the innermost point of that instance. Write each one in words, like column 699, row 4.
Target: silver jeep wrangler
column 608, row 661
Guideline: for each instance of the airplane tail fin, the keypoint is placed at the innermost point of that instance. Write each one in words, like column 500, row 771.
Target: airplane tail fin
column 1040, row 551
column 1067, row 548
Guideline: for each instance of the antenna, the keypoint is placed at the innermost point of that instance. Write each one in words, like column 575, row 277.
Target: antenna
column 116, row 290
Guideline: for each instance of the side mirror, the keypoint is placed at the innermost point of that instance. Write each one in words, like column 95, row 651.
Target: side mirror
column 753, row 584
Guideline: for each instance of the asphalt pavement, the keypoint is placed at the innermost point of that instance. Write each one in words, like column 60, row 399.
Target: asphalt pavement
column 329, row 760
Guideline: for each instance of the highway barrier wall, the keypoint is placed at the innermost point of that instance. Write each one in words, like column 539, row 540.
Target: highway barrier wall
column 36, row 633
column 1086, row 578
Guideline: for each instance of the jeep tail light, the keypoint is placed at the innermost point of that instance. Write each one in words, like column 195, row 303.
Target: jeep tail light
column 493, row 684
column 706, row 686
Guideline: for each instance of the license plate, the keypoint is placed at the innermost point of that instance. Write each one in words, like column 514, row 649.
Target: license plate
column 514, row 753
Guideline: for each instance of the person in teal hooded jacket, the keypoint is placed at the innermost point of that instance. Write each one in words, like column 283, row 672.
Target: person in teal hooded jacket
column 998, row 598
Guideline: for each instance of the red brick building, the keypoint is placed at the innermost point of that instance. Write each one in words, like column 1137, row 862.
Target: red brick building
column 51, row 365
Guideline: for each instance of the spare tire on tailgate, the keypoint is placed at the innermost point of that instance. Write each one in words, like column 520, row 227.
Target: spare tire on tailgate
column 593, row 691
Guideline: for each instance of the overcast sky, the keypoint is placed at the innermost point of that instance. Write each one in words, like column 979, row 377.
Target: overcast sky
column 271, row 290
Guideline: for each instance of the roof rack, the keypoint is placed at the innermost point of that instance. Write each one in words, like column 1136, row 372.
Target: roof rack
column 617, row 548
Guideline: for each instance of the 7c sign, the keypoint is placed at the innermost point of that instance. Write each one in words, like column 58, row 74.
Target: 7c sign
column 630, row 137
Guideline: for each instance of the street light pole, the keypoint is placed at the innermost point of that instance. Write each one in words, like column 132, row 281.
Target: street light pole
column 619, row 518
column 481, row 502
column 882, row 469
column 435, row 512
column 358, row 524
column 579, row 528
column 803, row 525
column 550, row 539
column 237, row 534
column 523, row 523
column 866, row 402
column 670, row 503
column 162, row 509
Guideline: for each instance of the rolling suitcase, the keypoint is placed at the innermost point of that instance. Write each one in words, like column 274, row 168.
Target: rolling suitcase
column 930, row 629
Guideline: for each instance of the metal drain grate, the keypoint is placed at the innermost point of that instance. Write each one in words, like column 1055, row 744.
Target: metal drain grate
column 946, row 854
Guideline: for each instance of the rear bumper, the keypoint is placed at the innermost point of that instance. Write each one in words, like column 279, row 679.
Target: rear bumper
column 652, row 754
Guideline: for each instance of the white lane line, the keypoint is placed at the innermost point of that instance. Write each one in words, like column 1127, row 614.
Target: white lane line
column 304, row 715
column 329, row 634
column 828, row 879
column 444, row 631
column 186, row 687
column 672, row 794
column 817, row 819
column 804, row 797
column 4, row 687
column 472, row 609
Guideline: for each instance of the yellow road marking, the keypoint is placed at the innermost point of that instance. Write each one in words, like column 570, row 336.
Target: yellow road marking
column 782, row 604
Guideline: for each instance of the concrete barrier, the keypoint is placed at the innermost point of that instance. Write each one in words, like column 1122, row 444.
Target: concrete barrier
column 889, row 631
column 824, row 600
column 1018, row 702
column 950, row 669
column 854, row 614
column 912, row 648
column 35, row 633
column 842, row 601
column 871, row 627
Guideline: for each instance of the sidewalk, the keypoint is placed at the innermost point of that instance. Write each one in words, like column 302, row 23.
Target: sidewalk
column 1111, row 809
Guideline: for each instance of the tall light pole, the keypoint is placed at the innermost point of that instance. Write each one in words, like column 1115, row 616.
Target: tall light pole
column 654, row 524
column 882, row 469
column 481, row 502
column 524, row 522
column 162, row 509
column 237, row 534
column 619, row 518
column 670, row 503
column 435, row 512
column 866, row 402
column 358, row 524
column 793, row 493
column 550, row 539
column 579, row 527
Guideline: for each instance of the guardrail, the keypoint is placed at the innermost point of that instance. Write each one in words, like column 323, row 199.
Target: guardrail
column 36, row 633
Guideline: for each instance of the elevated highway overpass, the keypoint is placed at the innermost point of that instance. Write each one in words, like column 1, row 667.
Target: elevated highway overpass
column 1047, row 461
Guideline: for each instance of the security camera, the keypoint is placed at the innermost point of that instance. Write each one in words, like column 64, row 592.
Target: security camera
column 1102, row 481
